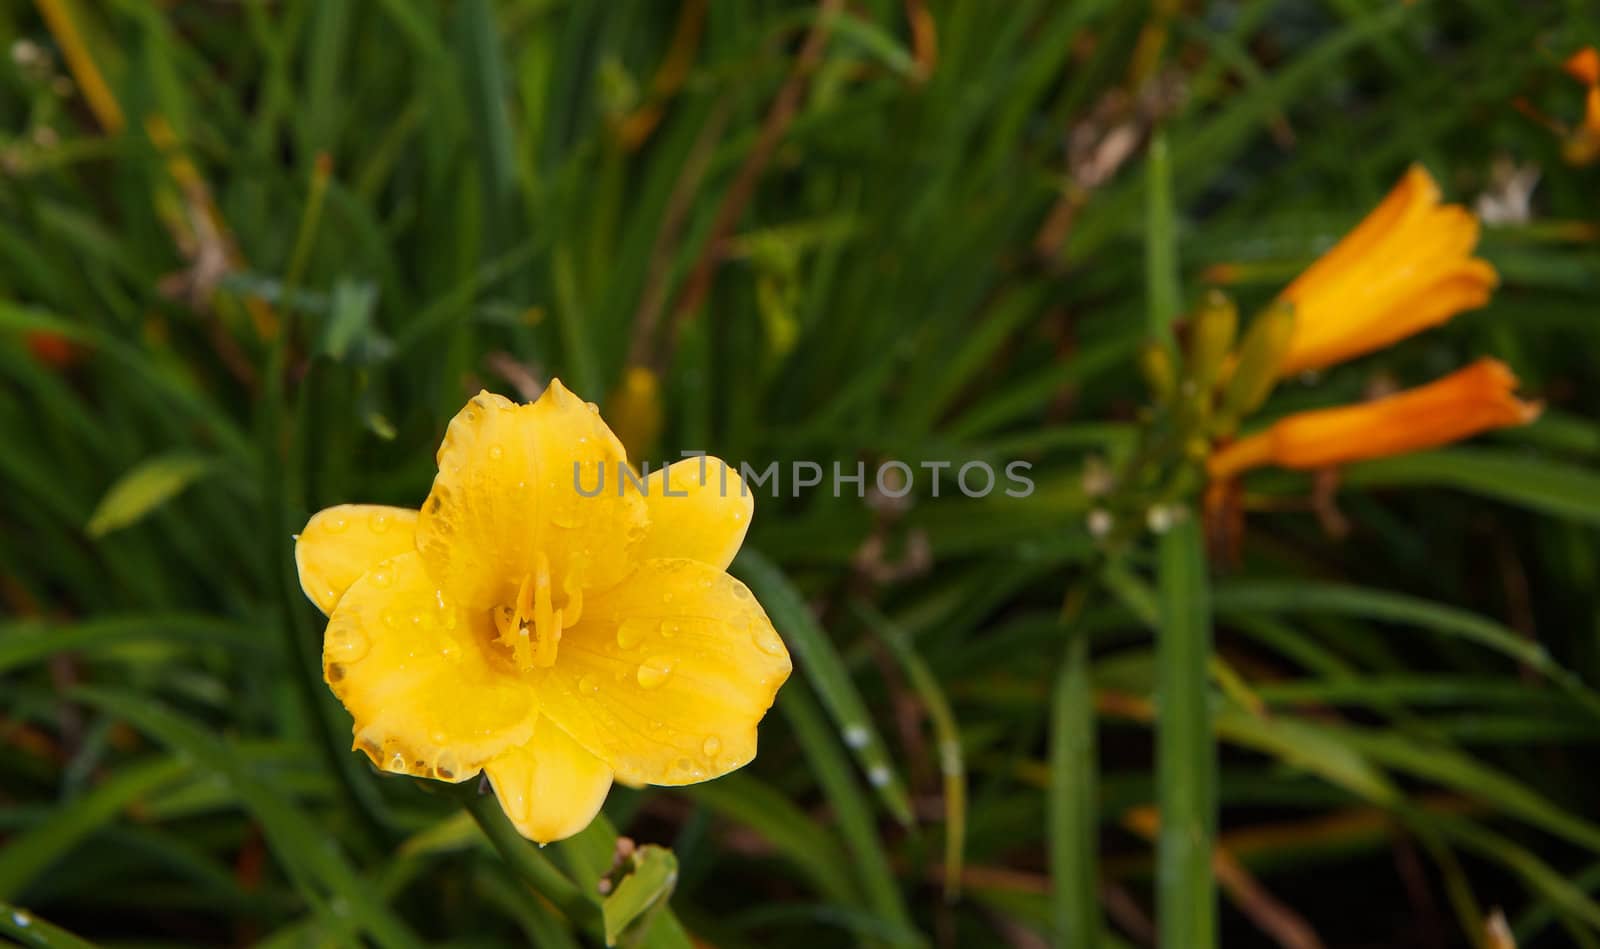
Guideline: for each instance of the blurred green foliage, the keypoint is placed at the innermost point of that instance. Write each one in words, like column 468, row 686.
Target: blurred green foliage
column 866, row 231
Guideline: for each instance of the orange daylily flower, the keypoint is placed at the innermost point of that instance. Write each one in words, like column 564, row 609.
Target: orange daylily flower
column 1584, row 66
column 1407, row 267
column 1462, row 404
column 1583, row 145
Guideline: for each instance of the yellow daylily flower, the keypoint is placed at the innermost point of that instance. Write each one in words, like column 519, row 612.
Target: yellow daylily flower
column 1466, row 402
column 554, row 638
column 1407, row 267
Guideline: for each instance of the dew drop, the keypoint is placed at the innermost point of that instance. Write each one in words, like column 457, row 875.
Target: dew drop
column 390, row 618
column 21, row 920
column 496, row 452
column 631, row 632
column 766, row 639
column 588, row 685
column 878, row 776
column 336, row 524
column 669, row 628
column 383, row 578
column 857, row 736
column 397, row 762
column 711, row 746
column 345, row 644
column 379, row 523
column 653, row 672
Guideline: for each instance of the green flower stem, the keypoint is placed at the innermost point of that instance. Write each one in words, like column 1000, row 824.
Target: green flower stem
column 1186, row 899
column 527, row 862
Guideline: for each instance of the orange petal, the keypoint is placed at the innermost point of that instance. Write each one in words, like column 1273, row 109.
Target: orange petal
column 1379, row 284
column 1584, row 66
column 1462, row 404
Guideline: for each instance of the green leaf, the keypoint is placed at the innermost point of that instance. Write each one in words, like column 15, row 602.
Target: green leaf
column 1516, row 477
column 947, row 737
column 29, row 930
column 146, row 487
column 28, row 641
column 821, row 664
column 25, row 855
column 636, row 901
column 1074, row 807
column 304, row 848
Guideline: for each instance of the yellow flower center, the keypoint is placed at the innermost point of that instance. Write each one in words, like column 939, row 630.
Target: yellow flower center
column 530, row 629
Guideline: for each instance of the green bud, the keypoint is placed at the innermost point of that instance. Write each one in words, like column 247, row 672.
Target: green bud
column 1214, row 328
column 1155, row 362
column 1260, row 355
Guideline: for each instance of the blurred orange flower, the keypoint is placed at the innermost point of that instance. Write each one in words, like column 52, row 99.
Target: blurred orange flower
column 1584, row 66
column 1407, row 267
column 1462, row 404
column 53, row 349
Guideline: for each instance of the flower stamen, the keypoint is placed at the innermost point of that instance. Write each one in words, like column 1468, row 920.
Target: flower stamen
column 531, row 627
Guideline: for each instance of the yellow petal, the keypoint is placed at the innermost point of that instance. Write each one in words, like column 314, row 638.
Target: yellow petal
column 550, row 788
column 417, row 673
column 699, row 509
column 507, row 491
column 341, row 543
column 666, row 675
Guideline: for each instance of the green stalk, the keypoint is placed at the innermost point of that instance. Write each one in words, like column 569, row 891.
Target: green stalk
column 527, row 862
column 1186, row 897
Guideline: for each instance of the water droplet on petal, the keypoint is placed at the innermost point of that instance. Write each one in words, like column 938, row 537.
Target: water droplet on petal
column 379, row 523
column 383, row 578
column 336, row 524
column 653, row 672
column 631, row 632
column 711, row 746
column 766, row 639
column 390, row 618
column 344, row 644
column 496, row 452
column 397, row 762
column 588, row 685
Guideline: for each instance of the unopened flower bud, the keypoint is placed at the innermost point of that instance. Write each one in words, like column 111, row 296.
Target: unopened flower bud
column 1155, row 362
column 1214, row 329
column 1260, row 356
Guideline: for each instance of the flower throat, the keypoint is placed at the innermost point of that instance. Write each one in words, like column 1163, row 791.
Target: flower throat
column 530, row 629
